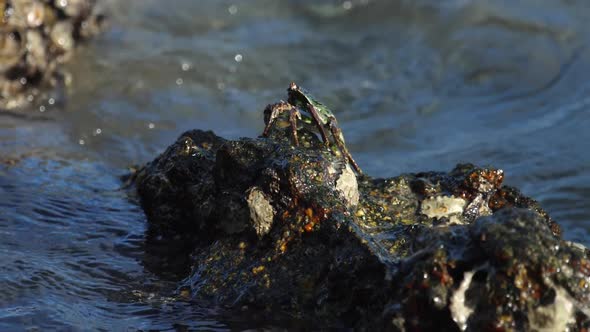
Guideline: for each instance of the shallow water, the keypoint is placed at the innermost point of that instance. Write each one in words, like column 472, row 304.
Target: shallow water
column 416, row 85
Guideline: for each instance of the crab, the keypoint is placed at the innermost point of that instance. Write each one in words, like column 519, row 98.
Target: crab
column 314, row 112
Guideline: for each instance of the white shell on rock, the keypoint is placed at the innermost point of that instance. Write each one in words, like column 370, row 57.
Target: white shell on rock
column 348, row 186
column 555, row 316
column 443, row 206
column 459, row 310
column 261, row 211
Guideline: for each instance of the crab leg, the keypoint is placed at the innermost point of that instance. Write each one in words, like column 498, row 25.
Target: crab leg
column 339, row 140
column 293, row 116
column 318, row 122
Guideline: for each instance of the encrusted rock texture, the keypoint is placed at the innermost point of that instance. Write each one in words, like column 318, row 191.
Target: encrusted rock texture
column 36, row 37
column 274, row 229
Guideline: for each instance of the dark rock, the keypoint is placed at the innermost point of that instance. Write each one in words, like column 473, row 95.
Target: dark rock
column 36, row 37
column 281, row 229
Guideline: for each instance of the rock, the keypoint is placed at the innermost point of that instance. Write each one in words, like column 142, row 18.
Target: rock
column 504, row 271
column 36, row 37
column 261, row 211
column 219, row 185
column 273, row 228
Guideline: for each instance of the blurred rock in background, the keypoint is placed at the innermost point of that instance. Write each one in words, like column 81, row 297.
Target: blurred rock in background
column 36, row 37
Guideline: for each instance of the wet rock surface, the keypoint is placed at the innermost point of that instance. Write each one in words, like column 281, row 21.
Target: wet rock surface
column 36, row 37
column 276, row 229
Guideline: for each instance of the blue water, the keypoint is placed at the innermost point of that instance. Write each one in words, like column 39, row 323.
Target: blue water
column 415, row 85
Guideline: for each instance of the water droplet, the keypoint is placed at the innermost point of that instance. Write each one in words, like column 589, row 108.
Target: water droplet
column 23, row 80
column 62, row 3
column 220, row 85
column 41, row 108
column 98, row 131
column 185, row 66
column 233, row 9
column 81, row 142
column 151, row 125
column 179, row 81
column 366, row 84
column 51, row 101
column 238, row 57
column 347, row 5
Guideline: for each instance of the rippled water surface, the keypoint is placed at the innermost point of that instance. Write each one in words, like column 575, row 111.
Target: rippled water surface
column 416, row 85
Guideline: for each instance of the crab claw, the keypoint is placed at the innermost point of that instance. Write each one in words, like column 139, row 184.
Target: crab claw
column 273, row 111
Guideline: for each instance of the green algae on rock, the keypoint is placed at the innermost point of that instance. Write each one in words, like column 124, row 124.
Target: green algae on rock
column 36, row 37
column 277, row 228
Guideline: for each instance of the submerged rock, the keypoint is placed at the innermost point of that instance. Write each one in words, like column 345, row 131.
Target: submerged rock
column 273, row 228
column 36, row 36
